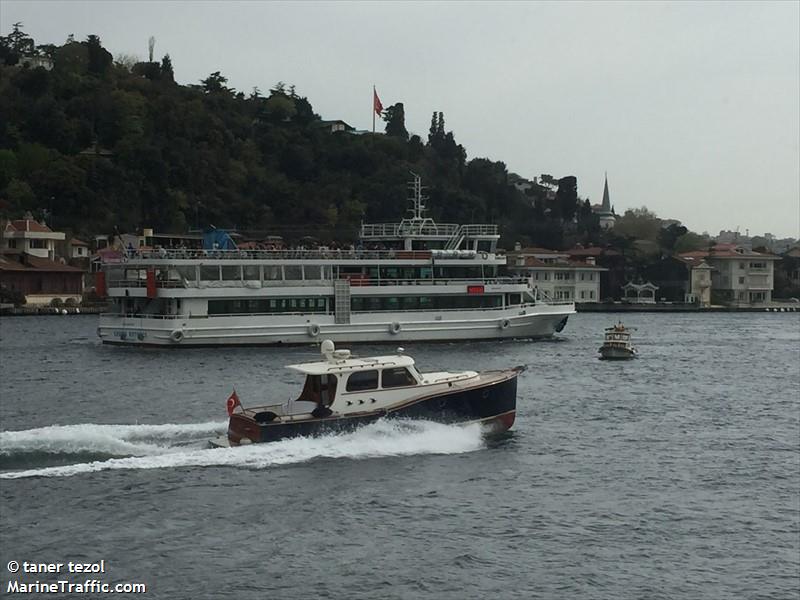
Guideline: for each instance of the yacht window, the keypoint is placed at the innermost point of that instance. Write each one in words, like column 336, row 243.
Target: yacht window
column 398, row 377
column 362, row 380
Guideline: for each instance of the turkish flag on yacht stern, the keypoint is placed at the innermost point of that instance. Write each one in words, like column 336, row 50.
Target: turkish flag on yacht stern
column 232, row 403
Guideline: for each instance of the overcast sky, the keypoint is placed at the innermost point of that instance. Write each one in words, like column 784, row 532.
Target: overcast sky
column 692, row 108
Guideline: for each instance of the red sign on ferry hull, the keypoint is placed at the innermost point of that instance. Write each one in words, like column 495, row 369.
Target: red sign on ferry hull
column 474, row 289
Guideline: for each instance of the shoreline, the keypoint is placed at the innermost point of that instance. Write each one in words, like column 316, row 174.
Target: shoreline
column 680, row 307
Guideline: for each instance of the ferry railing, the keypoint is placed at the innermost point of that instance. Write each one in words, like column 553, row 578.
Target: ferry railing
column 382, row 230
column 295, row 254
column 354, row 282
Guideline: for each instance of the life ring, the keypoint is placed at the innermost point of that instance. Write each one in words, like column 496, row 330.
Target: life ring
column 394, row 328
column 504, row 324
column 176, row 336
column 313, row 330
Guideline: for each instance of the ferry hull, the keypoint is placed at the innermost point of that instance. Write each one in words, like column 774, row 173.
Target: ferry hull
column 492, row 405
column 539, row 322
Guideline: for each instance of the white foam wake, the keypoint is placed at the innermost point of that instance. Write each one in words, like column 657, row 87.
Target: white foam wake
column 115, row 440
column 384, row 438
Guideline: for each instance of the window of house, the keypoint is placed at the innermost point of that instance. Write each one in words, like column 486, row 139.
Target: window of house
column 12, row 243
column 397, row 377
column 591, row 294
column 38, row 244
column 741, row 280
column 362, row 380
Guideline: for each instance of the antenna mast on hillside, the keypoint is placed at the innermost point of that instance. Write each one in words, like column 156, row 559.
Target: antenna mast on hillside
column 151, row 43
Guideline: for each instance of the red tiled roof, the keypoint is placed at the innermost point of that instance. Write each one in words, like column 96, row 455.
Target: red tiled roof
column 591, row 251
column 7, row 264
column 28, row 225
column 77, row 242
column 723, row 251
column 535, row 250
column 35, row 263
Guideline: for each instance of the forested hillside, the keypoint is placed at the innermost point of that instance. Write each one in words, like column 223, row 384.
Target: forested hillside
column 96, row 144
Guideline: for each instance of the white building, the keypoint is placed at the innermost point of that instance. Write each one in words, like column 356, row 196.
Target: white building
column 739, row 276
column 31, row 237
column 555, row 276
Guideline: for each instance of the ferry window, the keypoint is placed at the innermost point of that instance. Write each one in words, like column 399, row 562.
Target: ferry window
column 410, row 303
column 186, row 272
column 209, row 272
column 251, row 273
column 362, row 380
column 356, row 304
column 397, row 377
column 312, row 272
column 514, row 299
column 426, row 303
column 392, row 303
column 272, row 273
column 231, row 273
column 294, row 272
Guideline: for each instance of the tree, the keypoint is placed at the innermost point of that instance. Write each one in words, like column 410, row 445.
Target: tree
column 215, row 83
column 668, row 236
column 167, row 74
column 567, row 197
column 99, row 58
column 690, row 241
column 639, row 223
column 395, row 121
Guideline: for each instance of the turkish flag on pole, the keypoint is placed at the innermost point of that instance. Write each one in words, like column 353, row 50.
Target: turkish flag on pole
column 232, row 403
column 376, row 102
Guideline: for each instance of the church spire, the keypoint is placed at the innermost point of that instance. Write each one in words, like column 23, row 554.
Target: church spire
column 606, row 199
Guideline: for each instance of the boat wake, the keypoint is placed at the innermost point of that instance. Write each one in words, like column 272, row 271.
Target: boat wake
column 177, row 446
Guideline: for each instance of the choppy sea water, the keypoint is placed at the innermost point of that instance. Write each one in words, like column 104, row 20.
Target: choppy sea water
column 676, row 475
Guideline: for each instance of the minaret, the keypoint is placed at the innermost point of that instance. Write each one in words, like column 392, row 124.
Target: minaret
column 605, row 214
column 606, row 199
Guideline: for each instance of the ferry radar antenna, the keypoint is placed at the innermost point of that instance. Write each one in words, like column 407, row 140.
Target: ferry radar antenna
column 417, row 197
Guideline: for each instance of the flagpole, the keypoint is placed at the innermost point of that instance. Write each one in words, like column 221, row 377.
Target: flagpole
column 373, row 108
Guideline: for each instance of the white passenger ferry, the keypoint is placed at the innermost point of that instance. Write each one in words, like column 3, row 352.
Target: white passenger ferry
column 409, row 281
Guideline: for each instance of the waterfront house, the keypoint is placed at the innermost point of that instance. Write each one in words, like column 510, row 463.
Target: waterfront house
column 739, row 276
column 31, row 237
column 40, row 280
column 612, row 262
column 554, row 275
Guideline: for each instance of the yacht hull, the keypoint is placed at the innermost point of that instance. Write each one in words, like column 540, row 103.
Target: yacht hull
column 492, row 404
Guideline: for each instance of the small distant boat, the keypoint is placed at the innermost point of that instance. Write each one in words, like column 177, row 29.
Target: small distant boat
column 617, row 343
column 342, row 393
